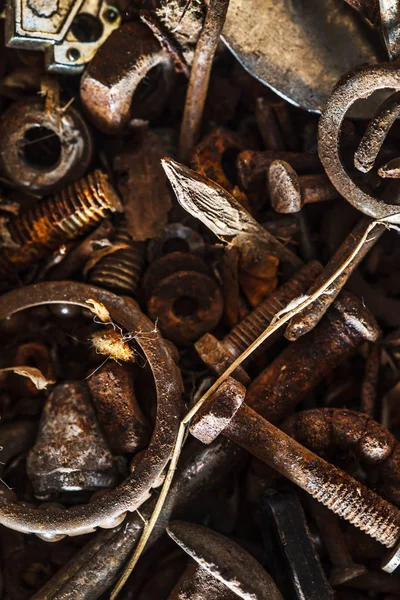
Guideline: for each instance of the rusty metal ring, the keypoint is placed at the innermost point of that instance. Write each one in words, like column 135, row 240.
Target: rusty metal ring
column 68, row 127
column 134, row 490
column 357, row 84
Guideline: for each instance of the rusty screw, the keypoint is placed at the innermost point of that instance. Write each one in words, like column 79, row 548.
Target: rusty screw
column 120, row 271
column 224, row 413
column 289, row 191
column 222, row 569
column 303, row 364
column 219, row 354
column 61, row 217
column 118, row 411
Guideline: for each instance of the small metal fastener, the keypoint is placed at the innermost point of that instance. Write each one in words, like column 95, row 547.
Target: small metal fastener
column 360, row 83
column 120, row 271
column 252, row 165
column 229, row 565
column 111, row 79
column 43, row 151
column 43, row 228
column 289, row 192
column 134, row 490
column 120, row 416
column 70, row 452
column 219, row 354
column 225, row 413
column 303, row 364
column 186, row 304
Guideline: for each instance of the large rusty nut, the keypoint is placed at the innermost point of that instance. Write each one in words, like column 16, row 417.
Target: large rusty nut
column 186, row 305
column 218, row 411
column 105, row 511
column 175, row 238
column 43, row 151
column 168, row 265
column 113, row 76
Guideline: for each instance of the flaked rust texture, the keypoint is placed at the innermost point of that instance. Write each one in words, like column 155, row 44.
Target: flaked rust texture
column 303, row 364
column 43, row 228
column 121, row 419
column 325, row 430
column 120, row 271
column 70, row 452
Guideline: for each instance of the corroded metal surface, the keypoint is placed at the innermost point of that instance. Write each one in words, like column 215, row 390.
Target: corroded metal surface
column 134, row 490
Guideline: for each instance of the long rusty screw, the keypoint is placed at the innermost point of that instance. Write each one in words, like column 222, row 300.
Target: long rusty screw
column 289, row 192
column 302, row 365
column 225, row 413
column 120, row 271
column 219, row 354
column 219, row 569
column 200, row 75
column 59, row 218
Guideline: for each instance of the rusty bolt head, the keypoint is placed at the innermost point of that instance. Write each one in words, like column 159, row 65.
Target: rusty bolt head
column 218, row 411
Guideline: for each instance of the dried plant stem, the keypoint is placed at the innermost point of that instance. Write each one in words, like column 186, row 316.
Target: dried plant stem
column 279, row 319
column 200, row 76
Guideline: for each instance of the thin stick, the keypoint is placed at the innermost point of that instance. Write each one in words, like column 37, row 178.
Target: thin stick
column 280, row 318
column 200, row 76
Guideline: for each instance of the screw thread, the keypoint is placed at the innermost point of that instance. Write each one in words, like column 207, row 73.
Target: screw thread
column 61, row 217
column 254, row 324
column 120, row 272
column 356, row 503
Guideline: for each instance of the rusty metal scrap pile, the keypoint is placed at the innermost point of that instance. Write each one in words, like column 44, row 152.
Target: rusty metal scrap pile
column 200, row 299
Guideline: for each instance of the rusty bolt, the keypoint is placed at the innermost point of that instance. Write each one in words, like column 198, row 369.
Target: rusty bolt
column 219, row 354
column 62, row 217
column 289, row 191
column 121, row 419
column 303, row 364
column 221, row 568
column 224, row 413
column 70, row 452
column 120, row 271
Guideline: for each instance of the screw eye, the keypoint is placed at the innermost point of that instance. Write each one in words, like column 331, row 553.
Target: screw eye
column 111, row 15
column 73, row 54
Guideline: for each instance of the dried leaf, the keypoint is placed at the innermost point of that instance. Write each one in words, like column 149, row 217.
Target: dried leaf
column 36, row 376
column 98, row 309
column 223, row 214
